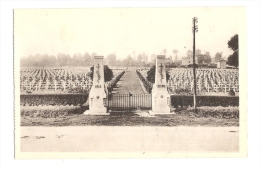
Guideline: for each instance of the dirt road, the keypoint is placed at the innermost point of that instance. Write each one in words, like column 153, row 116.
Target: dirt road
column 132, row 139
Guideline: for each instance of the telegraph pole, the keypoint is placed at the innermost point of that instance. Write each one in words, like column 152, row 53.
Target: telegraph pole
column 194, row 30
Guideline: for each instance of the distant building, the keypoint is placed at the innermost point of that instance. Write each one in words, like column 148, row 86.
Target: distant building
column 222, row 64
column 168, row 62
column 189, row 60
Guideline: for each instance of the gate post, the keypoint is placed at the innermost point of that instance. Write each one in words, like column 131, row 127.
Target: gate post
column 98, row 94
column 160, row 95
column 129, row 103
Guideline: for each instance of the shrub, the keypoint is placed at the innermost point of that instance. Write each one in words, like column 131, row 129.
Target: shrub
column 53, row 99
column 108, row 73
column 151, row 75
column 147, row 85
column 231, row 92
column 111, row 84
column 217, row 112
column 187, row 100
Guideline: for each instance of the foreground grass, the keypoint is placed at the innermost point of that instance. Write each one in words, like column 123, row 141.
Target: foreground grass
column 183, row 117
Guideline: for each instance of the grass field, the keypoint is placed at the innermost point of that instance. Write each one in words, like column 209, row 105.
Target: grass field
column 180, row 118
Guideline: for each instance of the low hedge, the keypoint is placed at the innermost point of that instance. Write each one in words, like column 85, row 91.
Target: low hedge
column 187, row 100
column 80, row 99
column 148, row 85
column 113, row 82
column 216, row 112
column 50, row 111
column 53, row 99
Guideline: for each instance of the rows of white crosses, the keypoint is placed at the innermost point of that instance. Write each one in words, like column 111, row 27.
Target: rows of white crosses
column 210, row 80
column 56, row 79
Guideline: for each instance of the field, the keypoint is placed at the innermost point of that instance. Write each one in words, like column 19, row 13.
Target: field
column 50, row 80
column 52, row 87
column 208, row 81
column 58, row 80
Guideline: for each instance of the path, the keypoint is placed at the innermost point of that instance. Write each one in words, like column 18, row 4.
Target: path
column 165, row 140
column 129, row 82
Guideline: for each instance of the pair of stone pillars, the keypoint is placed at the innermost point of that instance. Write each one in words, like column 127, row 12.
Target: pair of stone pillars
column 160, row 97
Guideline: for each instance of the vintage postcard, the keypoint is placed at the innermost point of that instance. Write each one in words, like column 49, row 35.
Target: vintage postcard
column 130, row 82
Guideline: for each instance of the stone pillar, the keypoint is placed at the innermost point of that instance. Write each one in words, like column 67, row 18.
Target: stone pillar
column 160, row 96
column 97, row 96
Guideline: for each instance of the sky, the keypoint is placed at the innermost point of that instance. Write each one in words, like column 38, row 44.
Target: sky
column 124, row 30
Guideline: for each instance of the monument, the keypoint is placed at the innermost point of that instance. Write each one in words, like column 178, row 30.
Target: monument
column 160, row 96
column 97, row 95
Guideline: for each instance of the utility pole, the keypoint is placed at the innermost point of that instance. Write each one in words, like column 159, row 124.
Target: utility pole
column 194, row 30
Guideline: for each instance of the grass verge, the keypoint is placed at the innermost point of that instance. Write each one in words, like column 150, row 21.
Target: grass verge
column 50, row 111
column 72, row 116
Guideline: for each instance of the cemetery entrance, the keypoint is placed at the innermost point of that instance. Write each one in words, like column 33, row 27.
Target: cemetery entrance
column 129, row 102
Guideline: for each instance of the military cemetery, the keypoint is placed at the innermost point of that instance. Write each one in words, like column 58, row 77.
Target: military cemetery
column 112, row 84
column 103, row 97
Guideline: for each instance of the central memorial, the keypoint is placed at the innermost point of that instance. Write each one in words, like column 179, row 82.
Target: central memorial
column 97, row 95
column 160, row 96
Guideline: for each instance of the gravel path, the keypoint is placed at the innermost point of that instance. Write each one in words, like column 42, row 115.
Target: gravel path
column 129, row 82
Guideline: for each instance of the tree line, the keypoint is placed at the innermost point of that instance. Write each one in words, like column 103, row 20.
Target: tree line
column 45, row 60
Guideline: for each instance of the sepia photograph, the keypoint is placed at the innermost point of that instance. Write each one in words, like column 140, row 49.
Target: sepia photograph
column 130, row 82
